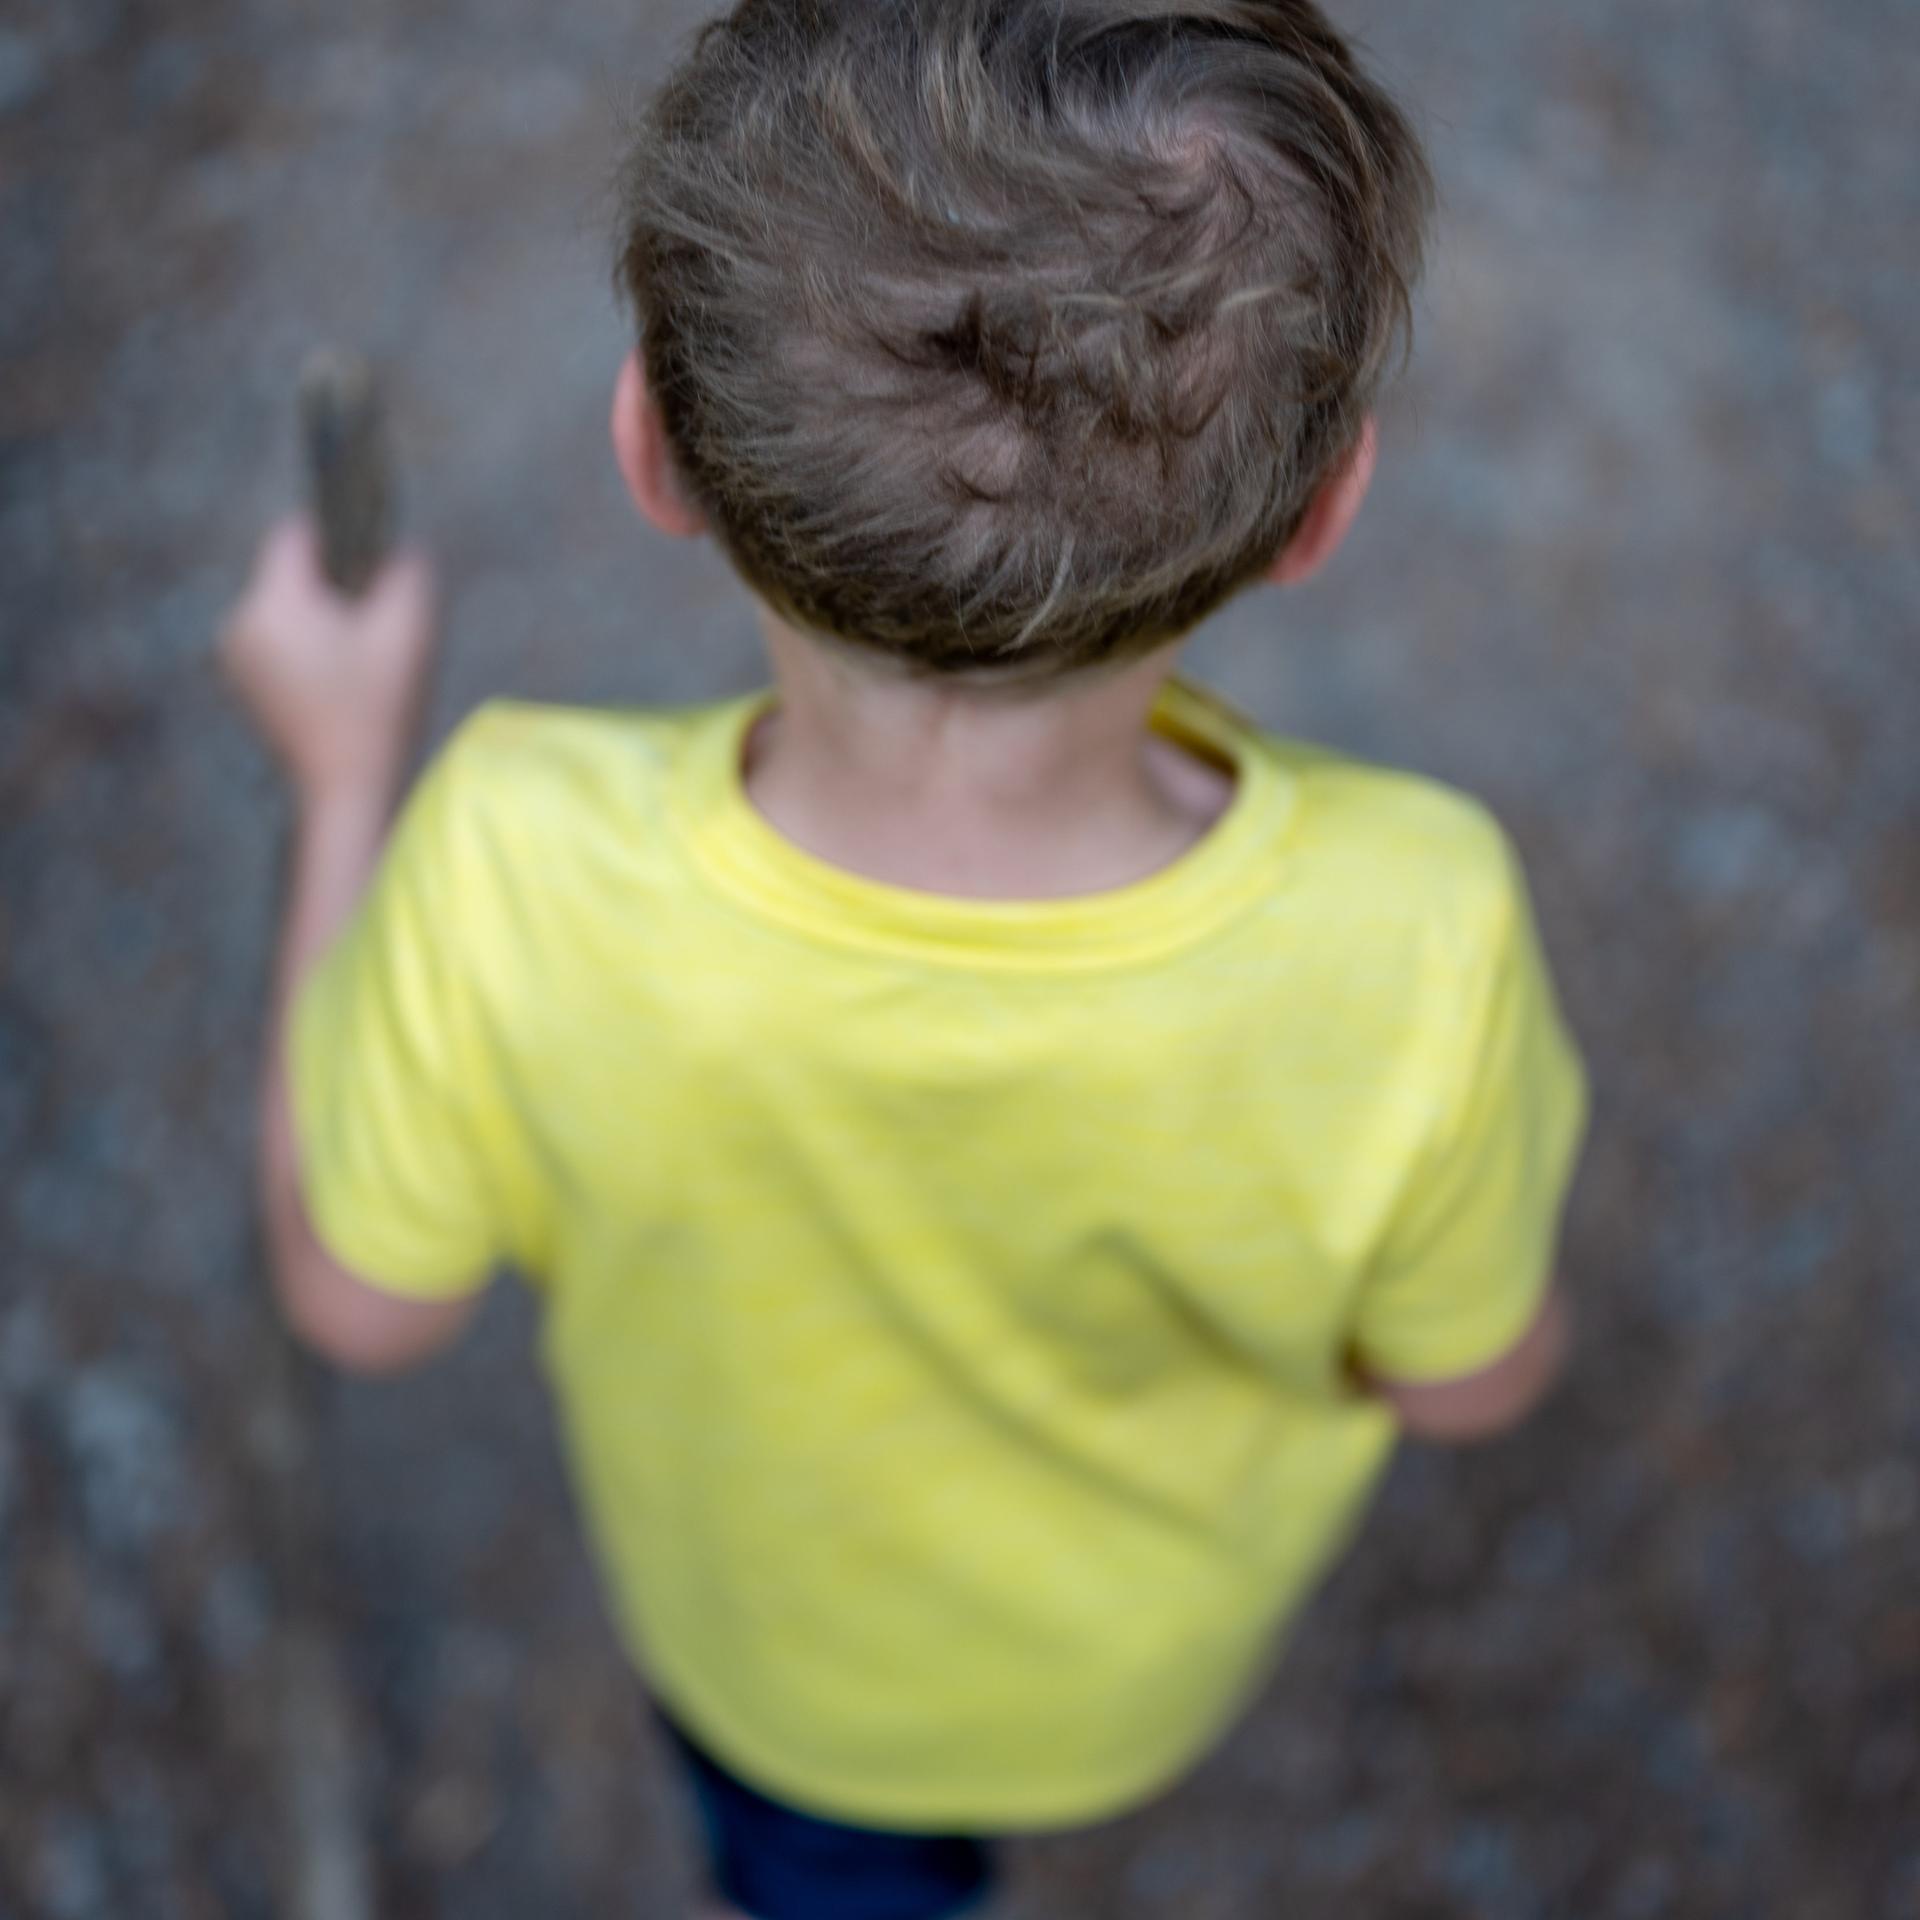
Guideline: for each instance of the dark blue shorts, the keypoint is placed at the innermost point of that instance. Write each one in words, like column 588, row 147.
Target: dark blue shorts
column 776, row 1863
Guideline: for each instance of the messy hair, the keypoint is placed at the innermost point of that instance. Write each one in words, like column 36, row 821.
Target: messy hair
column 1016, row 334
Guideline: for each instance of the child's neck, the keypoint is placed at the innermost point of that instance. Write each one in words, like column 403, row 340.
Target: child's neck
column 943, row 789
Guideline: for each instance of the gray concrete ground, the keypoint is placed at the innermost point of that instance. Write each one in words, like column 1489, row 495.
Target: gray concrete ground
column 1641, row 569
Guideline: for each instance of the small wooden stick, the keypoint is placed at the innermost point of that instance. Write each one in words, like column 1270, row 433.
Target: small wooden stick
column 349, row 476
column 326, row 1872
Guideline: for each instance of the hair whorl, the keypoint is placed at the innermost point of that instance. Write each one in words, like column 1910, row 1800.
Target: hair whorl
column 1016, row 334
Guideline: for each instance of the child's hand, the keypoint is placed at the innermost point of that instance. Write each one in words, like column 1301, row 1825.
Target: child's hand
column 334, row 685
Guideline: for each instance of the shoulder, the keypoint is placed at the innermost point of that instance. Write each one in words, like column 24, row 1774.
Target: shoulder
column 1400, row 852
column 518, row 776
column 514, row 802
column 511, row 749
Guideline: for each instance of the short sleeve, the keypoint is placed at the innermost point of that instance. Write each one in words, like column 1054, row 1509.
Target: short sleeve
column 1469, row 1252
column 392, row 1100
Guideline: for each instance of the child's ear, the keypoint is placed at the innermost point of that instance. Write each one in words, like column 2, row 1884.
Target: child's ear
column 1332, row 513
column 646, row 461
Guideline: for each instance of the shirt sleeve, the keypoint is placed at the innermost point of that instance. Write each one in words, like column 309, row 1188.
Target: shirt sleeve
column 1468, row 1255
column 392, row 1101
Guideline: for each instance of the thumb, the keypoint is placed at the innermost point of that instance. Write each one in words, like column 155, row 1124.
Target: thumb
column 406, row 590
column 288, row 551
column 288, row 554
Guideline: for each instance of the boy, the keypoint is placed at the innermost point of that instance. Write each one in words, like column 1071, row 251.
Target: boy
column 1003, row 1144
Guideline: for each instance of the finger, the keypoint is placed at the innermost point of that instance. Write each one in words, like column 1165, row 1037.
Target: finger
column 290, row 551
column 284, row 549
column 407, row 587
column 283, row 545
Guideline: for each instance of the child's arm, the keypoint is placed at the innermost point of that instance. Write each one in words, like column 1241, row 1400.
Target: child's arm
column 1487, row 1402
column 1460, row 1327
column 334, row 686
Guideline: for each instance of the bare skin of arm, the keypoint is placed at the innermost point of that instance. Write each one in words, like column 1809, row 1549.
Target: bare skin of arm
column 1480, row 1406
column 334, row 687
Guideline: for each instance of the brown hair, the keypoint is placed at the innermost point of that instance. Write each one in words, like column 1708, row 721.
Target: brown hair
column 1016, row 334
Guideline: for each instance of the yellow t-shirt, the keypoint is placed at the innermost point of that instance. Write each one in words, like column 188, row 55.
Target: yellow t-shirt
column 946, row 1300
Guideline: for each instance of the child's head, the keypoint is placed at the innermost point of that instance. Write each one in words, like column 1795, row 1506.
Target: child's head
column 1016, row 334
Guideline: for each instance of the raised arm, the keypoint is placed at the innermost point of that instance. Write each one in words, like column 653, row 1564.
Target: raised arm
column 334, row 687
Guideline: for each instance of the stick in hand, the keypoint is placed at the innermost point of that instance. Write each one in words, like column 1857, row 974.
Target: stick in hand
column 348, row 473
